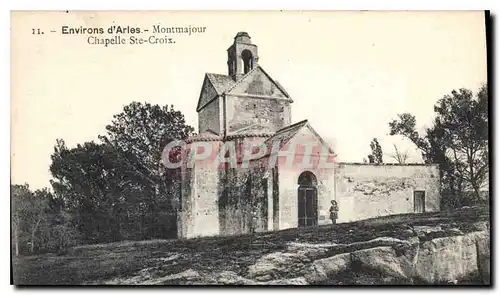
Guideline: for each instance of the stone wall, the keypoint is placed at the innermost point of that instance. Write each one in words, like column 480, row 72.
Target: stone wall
column 367, row 190
column 184, row 210
column 199, row 212
column 288, row 196
column 256, row 102
column 205, row 209
column 209, row 117
column 229, row 201
column 224, row 201
column 244, row 201
column 259, row 114
column 289, row 175
column 235, row 202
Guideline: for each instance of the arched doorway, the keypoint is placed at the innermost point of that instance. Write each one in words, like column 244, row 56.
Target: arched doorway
column 307, row 197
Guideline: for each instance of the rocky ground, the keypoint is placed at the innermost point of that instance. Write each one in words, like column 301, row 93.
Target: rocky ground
column 431, row 248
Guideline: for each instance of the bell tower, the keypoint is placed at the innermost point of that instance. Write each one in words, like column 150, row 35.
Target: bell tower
column 242, row 56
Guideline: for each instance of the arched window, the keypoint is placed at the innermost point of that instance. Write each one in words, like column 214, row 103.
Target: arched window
column 247, row 58
column 306, row 178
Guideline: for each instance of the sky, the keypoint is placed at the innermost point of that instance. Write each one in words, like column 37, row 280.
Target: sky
column 349, row 73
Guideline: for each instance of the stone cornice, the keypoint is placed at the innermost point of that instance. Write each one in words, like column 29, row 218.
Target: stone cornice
column 244, row 95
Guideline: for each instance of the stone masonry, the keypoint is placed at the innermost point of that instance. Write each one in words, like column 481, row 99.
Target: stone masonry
column 249, row 105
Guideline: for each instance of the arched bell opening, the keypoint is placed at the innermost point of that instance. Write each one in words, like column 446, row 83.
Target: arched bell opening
column 247, row 58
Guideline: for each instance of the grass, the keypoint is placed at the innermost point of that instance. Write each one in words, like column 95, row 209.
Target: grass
column 101, row 262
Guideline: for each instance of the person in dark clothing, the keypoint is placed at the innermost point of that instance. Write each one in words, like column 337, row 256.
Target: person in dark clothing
column 334, row 209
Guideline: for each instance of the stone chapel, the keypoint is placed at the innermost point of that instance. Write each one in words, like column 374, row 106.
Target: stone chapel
column 248, row 104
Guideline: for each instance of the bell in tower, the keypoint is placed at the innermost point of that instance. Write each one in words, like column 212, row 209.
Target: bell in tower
column 242, row 56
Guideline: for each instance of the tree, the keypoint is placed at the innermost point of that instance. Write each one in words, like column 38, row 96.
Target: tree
column 93, row 182
column 117, row 189
column 399, row 156
column 139, row 135
column 457, row 141
column 19, row 195
column 34, row 218
column 465, row 123
column 37, row 207
column 376, row 154
column 144, row 130
column 28, row 211
column 58, row 231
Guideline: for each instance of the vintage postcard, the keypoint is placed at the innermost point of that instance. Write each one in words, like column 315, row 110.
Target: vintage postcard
column 250, row 148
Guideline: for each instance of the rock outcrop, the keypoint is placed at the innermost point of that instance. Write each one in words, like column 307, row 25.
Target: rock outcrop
column 325, row 268
column 441, row 254
column 421, row 259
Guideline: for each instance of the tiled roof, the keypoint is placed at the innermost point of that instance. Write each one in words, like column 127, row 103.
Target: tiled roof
column 224, row 84
column 384, row 164
column 221, row 82
column 249, row 135
column 214, row 137
column 206, row 136
column 284, row 135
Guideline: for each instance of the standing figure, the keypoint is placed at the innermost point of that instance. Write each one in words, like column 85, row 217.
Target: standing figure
column 334, row 209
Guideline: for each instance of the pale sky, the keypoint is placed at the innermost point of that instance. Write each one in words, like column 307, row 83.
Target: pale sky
column 349, row 73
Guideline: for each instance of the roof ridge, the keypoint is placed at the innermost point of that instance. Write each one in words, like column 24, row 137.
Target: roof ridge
column 280, row 87
column 241, row 79
column 229, row 137
column 291, row 126
column 385, row 164
column 218, row 82
column 198, row 105
column 288, row 128
column 210, row 80
column 219, row 91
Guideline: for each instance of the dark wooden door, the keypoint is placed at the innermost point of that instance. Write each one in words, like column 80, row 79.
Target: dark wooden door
column 419, row 201
column 307, row 206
